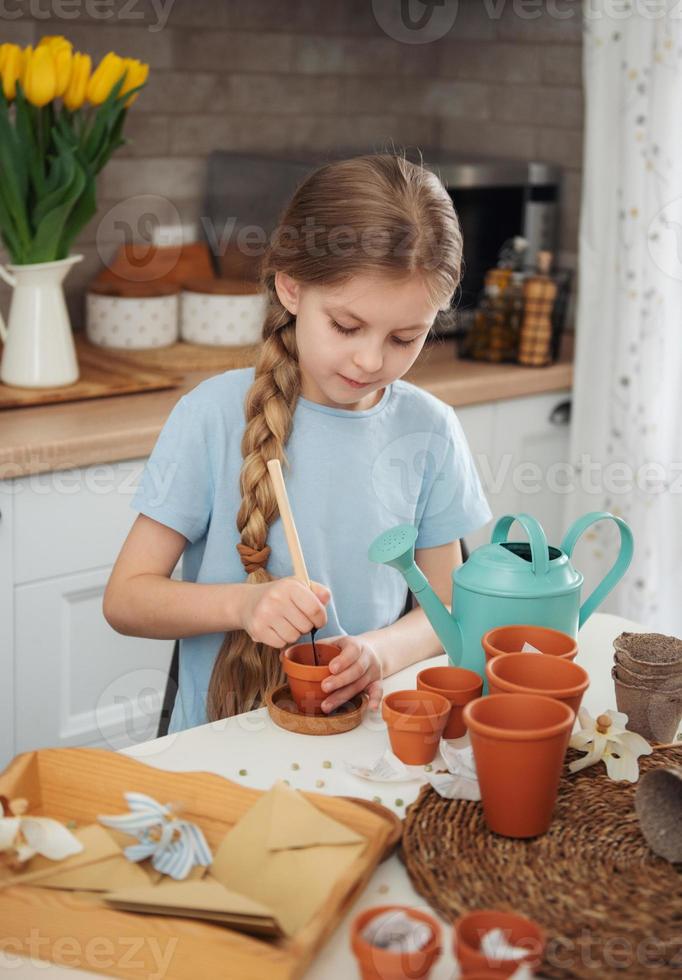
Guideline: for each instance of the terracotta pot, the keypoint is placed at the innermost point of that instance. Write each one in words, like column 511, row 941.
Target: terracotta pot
column 415, row 721
column 458, row 685
column 305, row 679
column 655, row 715
column 518, row 931
column 519, row 743
column 510, row 639
column 517, row 673
column 381, row 964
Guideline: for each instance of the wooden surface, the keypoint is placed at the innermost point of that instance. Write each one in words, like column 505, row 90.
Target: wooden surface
column 58, row 437
column 101, row 376
column 80, row 784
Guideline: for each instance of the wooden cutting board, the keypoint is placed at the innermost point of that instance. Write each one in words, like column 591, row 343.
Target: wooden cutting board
column 102, row 375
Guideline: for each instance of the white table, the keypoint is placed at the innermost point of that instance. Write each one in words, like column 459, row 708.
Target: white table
column 252, row 742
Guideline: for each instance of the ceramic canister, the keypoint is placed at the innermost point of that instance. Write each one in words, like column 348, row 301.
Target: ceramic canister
column 224, row 312
column 132, row 316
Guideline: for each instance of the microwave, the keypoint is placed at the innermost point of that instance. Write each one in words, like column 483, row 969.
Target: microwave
column 495, row 200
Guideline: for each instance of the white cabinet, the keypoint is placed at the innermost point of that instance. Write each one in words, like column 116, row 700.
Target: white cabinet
column 521, row 448
column 67, row 677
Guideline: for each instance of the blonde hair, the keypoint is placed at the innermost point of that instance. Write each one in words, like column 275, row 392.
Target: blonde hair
column 399, row 220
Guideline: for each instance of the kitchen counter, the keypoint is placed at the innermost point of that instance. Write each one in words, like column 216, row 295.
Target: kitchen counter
column 253, row 743
column 105, row 430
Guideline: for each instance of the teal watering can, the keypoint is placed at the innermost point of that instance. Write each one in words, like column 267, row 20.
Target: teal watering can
column 505, row 583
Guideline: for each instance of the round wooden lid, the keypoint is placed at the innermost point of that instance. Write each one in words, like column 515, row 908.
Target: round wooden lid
column 133, row 290
column 223, row 287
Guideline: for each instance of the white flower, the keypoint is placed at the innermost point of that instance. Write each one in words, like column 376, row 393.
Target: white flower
column 21, row 837
column 606, row 738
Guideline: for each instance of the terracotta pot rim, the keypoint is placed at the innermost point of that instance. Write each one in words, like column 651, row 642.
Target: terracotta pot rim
column 529, row 626
column 307, row 672
column 518, row 734
column 404, row 716
column 450, row 692
column 360, row 946
column 518, row 688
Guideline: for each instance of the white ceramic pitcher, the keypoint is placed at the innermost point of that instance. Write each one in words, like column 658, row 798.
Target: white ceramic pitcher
column 39, row 351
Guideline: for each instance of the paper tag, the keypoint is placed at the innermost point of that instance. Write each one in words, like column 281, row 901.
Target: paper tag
column 387, row 769
column 529, row 648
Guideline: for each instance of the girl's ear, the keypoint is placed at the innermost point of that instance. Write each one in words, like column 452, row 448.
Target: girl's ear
column 287, row 290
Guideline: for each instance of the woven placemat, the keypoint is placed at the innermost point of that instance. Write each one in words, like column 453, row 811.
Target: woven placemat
column 611, row 908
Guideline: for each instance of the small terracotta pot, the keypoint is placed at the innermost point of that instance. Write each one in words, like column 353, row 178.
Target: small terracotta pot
column 519, row 743
column 415, row 721
column 517, row 673
column 458, row 685
column 653, row 714
column 510, row 639
column 381, row 964
column 518, row 931
column 305, row 679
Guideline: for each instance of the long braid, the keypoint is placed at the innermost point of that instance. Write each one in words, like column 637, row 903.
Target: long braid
column 244, row 670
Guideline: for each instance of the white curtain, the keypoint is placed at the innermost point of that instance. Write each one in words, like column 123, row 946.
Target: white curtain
column 626, row 440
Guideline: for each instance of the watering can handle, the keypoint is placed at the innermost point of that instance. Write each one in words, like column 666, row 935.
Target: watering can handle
column 11, row 281
column 620, row 565
column 538, row 541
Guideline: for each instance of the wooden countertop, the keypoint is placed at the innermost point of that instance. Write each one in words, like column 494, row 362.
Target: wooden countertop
column 104, row 430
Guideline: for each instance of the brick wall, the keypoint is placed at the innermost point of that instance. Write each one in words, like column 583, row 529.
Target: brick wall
column 269, row 75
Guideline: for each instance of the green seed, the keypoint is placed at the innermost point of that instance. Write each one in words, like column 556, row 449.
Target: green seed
column 319, row 783
column 71, row 824
column 399, row 802
column 286, row 782
column 376, row 799
column 326, row 764
column 243, row 772
column 428, row 768
column 295, row 766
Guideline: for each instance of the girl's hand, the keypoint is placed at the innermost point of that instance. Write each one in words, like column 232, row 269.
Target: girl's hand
column 280, row 612
column 356, row 668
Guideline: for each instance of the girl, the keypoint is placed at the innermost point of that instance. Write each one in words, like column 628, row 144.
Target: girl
column 366, row 256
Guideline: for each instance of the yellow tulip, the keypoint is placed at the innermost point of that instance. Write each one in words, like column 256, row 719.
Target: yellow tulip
column 104, row 77
column 11, row 62
column 74, row 96
column 62, row 52
column 39, row 77
column 136, row 74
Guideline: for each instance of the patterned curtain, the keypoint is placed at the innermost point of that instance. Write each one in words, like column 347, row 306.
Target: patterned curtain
column 626, row 446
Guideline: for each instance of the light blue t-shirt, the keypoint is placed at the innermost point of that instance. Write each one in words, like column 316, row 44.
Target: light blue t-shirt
column 351, row 475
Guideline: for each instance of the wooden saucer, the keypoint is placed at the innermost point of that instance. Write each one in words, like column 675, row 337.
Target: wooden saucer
column 283, row 711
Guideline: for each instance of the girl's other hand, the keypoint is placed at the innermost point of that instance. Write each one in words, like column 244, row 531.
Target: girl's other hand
column 357, row 668
column 280, row 612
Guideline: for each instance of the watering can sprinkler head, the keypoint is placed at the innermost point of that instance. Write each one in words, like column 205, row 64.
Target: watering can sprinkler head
column 395, row 547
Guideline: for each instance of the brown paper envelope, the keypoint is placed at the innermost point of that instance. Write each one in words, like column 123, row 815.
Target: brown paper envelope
column 295, row 822
column 292, row 882
column 205, row 898
column 98, row 845
column 104, row 876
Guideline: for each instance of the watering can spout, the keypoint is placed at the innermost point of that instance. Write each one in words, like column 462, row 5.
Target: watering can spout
column 396, row 548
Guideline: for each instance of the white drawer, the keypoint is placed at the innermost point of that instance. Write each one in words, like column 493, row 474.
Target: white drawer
column 72, row 520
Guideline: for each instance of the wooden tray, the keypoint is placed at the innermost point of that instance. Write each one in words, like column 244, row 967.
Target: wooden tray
column 185, row 357
column 102, row 375
column 79, row 784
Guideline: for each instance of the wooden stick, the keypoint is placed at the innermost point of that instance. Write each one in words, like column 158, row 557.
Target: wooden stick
column 300, row 571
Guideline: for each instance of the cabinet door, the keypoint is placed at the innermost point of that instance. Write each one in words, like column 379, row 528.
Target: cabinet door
column 6, row 626
column 78, row 681
column 531, row 454
column 478, row 422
